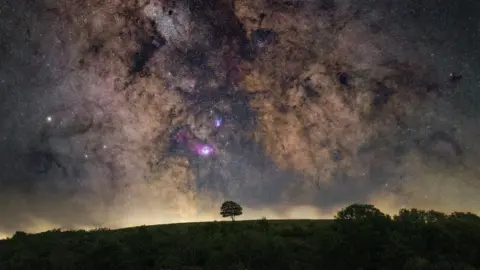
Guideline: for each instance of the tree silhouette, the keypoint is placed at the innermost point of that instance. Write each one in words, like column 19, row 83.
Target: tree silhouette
column 359, row 212
column 230, row 209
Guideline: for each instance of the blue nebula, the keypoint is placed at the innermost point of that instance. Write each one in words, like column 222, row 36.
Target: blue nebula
column 218, row 122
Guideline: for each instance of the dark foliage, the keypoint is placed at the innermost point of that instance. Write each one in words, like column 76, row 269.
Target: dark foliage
column 360, row 237
column 231, row 209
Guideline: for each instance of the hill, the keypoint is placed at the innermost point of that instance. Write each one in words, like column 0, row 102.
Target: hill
column 360, row 237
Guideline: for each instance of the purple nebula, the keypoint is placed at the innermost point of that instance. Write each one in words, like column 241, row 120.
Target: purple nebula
column 184, row 138
column 181, row 136
column 204, row 150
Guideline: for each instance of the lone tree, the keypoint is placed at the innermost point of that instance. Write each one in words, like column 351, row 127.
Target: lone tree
column 230, row 209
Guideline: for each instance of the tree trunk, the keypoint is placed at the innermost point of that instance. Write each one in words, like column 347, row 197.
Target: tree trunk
column 233, row 218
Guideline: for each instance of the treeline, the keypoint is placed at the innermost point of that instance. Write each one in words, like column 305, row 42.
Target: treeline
column 360, row 237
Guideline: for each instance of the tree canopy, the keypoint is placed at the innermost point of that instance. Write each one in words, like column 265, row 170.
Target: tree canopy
column 231, row 209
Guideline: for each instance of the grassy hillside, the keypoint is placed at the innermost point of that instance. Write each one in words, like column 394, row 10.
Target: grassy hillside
column 360, row 236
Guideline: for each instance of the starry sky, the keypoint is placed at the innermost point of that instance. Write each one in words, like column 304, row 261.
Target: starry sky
column 75, row 152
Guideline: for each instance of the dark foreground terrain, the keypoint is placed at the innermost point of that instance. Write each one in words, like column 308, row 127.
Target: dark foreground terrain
column 360, row 237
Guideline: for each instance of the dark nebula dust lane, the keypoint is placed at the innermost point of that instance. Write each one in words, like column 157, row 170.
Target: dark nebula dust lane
column 123, row 113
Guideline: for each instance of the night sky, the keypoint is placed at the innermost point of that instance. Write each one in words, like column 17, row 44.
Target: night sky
column 77, row 152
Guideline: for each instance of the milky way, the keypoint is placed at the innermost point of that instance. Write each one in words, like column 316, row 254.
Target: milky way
column 92, row 95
